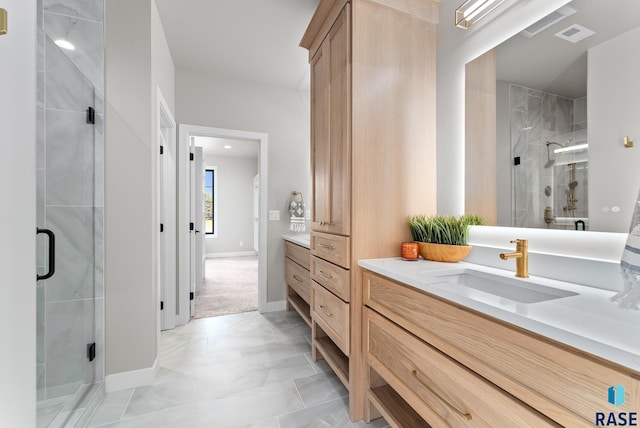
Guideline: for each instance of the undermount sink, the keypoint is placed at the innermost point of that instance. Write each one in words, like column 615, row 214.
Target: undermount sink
column 478, row 285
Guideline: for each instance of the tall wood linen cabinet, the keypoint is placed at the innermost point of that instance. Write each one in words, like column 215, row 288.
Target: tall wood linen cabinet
column 373, row 157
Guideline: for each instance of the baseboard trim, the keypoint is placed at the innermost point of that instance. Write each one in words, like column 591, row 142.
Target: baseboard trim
column 232, row 254
column 276, row 306
column 131, row 379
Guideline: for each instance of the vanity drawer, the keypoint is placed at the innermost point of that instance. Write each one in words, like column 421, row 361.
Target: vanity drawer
column 441, row 390
column 298, row 278
column 567, row 385
column 332, row 315
column 332, row 277
column 297, row 253
column 333, row 248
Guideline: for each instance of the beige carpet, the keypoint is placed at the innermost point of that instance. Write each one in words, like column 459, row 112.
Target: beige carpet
column 230, row 287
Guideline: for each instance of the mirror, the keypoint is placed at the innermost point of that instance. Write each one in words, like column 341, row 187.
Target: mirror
column 565, row 99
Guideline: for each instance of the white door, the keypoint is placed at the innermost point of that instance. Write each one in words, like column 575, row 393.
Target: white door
column 196, row 236
column 199, row 217
column 256, row 212
column 167, row 230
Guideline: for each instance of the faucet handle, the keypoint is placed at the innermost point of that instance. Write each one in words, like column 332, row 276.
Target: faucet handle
column 519, row 241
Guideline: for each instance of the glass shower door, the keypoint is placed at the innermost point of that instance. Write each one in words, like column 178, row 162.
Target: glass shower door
column 68, row 209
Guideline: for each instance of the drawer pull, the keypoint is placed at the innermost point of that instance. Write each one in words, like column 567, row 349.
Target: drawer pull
column 329, row 314
column 326, row 275
column 327, row 246
column 297, row 278
column 466, row 416
column 325, row 223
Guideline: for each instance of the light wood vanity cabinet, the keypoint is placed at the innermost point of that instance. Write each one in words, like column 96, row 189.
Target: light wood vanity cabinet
column 446, row 361
column 298, row 279
column 373, row 105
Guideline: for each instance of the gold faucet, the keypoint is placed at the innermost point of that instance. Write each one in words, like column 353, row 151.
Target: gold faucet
column 522, row 257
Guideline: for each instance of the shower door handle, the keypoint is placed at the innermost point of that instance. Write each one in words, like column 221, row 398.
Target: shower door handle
column 52, row 253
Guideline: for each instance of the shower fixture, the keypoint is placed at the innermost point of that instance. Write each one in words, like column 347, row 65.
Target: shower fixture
column 551, row 162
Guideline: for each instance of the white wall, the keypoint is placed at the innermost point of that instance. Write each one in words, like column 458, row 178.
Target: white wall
column 18, row 216
column 235, row 204
column 456, row 47
column 207, row 100
column 137, row 60
column 613, row 88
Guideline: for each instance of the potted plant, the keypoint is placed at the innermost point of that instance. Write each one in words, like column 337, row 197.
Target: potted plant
column 443, row 238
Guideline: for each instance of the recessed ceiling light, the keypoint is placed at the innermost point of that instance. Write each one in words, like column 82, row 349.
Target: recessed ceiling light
column 227, row 147
column 64, row 44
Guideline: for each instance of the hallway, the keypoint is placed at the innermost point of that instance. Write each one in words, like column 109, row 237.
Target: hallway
column 230, row 286
column 242, row 370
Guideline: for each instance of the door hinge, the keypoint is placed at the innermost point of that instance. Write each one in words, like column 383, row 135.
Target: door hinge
column 91, row 116
column 191, row 296
column 161, row 227
column 192, row 226
column 161, row 150
column 91, row 351
column 191, row 157
column 516, row 160
column 161, row 305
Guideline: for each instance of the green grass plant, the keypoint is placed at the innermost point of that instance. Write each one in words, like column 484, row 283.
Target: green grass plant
column 443, row 229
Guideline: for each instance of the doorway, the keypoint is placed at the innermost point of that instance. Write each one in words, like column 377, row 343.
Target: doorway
column 188, row 253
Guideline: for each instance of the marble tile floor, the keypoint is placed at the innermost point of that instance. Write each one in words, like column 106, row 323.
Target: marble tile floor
column 241, row 370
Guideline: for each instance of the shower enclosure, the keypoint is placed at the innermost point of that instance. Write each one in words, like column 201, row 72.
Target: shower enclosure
column 69, row 157
column 549, row 147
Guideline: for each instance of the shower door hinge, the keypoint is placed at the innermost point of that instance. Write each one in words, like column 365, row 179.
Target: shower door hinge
column 91, row 116
column 161, row 150
column 191, row 157
column 91, row 351
column 191, row 296
column 161, row 305
column 161, row 227
column 516, row 160
column 192, row 226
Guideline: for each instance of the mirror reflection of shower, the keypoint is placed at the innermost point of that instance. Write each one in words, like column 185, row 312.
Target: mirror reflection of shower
column 549, row 147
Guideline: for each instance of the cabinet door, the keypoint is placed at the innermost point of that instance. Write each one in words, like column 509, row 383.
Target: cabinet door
column 331, row 133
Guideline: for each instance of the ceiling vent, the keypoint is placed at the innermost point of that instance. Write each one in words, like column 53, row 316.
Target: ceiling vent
column 575, row 33
column 548, row 21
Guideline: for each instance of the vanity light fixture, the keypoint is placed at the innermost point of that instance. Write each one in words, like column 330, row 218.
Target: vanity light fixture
column 572, row 148
column 472, row 11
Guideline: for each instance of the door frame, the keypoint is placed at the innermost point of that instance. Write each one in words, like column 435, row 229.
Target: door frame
column 166, row 267
column 185, row 133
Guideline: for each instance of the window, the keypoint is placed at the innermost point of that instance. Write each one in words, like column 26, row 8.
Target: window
column 210, row 199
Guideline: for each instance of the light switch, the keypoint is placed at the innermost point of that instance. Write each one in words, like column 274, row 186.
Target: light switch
column 274, row 215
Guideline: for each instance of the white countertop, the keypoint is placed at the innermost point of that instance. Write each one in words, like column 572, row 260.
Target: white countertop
column 587, row 321
column 303, row 240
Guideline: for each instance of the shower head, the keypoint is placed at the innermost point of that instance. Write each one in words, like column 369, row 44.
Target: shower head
column 551, row 162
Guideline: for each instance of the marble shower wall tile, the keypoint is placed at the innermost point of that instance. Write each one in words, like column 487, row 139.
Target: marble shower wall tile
column 98, row 227
column 564, row 115
column 87, row 9
column 580, row 110
column 74, row 278
column 66, row 88
column 534, row 117
column 86, row 36
column 69, row 159
column 518, row 98
column 40, row 328
column 66, row 347
column 549, row 102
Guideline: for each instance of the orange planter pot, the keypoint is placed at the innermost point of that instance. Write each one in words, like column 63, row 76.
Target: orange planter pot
column 443, row 252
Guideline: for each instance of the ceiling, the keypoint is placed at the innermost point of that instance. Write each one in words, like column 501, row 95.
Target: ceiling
column 550, row 64
column 250, row 40
column 239, row 148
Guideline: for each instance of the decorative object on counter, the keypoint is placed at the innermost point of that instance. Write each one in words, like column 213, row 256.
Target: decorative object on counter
column 410, row 251
column 443, row 238
column 296, row 210
column 629, row 298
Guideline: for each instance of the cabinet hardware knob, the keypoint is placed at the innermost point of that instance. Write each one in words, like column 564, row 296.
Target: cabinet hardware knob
column 329, row 314
column 460, row 413
column 327, row 246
